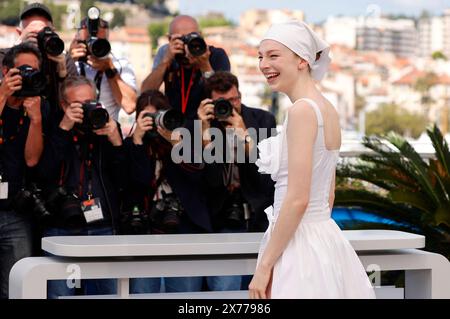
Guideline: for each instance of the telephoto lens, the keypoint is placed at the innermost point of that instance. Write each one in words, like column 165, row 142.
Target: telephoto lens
column 49, row 42
column 98, row 47
column 167, row 119
column 222, row 108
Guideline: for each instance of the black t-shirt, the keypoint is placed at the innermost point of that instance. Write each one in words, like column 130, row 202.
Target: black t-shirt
column 172, row 81
column 13, row 167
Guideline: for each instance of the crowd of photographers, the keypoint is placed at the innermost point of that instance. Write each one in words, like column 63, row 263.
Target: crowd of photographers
column 66, row 169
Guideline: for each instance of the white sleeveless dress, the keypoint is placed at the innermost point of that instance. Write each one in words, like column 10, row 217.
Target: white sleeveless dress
column 318, row 262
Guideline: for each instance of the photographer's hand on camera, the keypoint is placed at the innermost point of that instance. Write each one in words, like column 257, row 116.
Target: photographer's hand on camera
column 73, row 114
column 201, row 61
column 111, row 130
column 143, row 124
column 11, row 83
column 29, row 36
column 100, row 64
column 235, row 121
column 205, row 113
column 176, row 46
column 77, row 50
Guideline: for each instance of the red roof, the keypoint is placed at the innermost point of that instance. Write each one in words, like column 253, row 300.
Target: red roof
column 411, row 78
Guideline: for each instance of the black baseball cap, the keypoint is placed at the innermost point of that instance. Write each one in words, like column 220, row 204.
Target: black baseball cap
column 36, row 9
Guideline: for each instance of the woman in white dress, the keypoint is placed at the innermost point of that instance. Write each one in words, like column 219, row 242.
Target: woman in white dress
column 304, row 253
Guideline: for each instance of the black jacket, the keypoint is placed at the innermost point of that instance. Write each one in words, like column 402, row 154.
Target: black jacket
column 64, row 158
column 13, row 167
column 185, row 180
column 257, row 188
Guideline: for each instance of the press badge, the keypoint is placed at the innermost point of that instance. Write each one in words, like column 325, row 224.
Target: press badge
column 92, row 210
column 3, row 189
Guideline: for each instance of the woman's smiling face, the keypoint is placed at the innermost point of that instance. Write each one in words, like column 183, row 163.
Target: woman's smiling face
column 279, row 65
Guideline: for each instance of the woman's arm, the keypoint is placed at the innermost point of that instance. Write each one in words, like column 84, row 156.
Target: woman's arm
column 301, row 134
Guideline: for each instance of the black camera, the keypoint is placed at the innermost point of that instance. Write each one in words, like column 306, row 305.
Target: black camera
column 49, row 42
column 33, row 82
column 222, row 108
column 29, row 201
column 95, row 46
column 195, row 43
column 166, row 213
column 94, row 116
column 196, row 46
column 237, row 212
column 167, row 119
column 66, row 206
column 135, row 221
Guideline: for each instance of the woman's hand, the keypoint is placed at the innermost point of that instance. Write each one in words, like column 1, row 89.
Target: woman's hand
column 143, row 124
column 261, row 285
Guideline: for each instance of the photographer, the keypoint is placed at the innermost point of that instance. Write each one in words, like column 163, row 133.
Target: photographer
column 183, row 64
column 237, row 192
column 23, row 112
column 114, row 78
column 36, row 27
column 170, row 196
column 82, row 164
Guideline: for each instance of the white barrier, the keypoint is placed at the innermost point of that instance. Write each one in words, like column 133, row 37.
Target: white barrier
column 427, row 275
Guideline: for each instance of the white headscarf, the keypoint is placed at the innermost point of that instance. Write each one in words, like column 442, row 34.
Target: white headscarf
column 304, row 42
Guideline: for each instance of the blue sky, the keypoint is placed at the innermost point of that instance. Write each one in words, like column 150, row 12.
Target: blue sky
column 315, row 10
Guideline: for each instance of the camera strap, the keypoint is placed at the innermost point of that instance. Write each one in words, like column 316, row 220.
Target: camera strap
column 185, row 94
column 97, row 79
column 82, row 69
column 98, row 83
column 86, row 167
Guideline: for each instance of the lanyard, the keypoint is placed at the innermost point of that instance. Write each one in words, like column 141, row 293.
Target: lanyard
column 185, row 96
column 86, row 165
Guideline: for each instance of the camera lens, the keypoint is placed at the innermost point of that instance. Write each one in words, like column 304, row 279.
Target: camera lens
column 222, row 108
column 99, row 47
column 98, row 118
column 169, row 119
column 196, row 44
column 95, row 117
column 54, row 46
column 49, row 42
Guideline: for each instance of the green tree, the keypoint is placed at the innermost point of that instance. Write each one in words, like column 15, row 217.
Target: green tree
column 423, row 85
column 400, row 185
column 57, row 11
column 84, row 6
column 149, row 3
column 157, row 30
column 390, row 117
column 205, row 22
column 438, row 55
column 118, row 19
column 10, row 11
